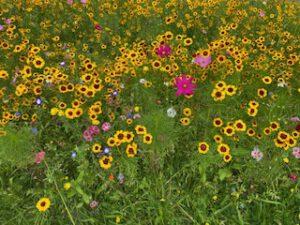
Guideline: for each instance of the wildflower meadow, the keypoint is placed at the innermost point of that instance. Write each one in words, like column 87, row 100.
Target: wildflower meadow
column 149, row 112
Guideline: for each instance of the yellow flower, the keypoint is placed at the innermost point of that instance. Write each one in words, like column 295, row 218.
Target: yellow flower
column 203, row 147
column 105, row 162
column 286, row 160
column 67, row 186
column 185, row 121
column 96, row 148
column 147, row 139
column 187, row 112
column 54, row 111
column 43, row 204
column 118, row 219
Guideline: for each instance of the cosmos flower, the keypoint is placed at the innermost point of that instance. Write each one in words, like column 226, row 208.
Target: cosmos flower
column 185, row 85
column 295, row 119
column 164, row 51
column 257, row 154
column 171, row 112
column 106, row 126
column 202, row 61
column 296, row 152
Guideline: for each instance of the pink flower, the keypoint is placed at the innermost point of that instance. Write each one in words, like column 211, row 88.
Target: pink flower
column 295, row 119
column 39, row 157
column 185, row 85
column 163, row 50
column 293, row 177
column 257, row 154
column 262, row 14
column 8, row 21
column 70, row 2
column 87, row 135
column 94, row 130
column 202, row 61
column 106, row 126
column 296, row 152
column 83, row 1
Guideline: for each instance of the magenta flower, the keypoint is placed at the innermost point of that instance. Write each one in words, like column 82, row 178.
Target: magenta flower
column 163, row 50
column 98, row 27
column 185, row 85
column 106, row 126
column 202, row 61
column 39, row 157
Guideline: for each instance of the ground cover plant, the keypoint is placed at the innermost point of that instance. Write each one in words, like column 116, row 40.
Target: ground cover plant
column 149, row 112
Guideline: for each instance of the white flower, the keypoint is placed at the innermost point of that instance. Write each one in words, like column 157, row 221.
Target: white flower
column 281, row 84
column 142, row 81
column 171, row 112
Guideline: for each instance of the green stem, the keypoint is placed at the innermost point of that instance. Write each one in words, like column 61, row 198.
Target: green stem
column 62, row 198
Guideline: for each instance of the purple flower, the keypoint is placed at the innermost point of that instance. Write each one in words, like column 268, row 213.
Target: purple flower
column 1, row 27
column 38, row 101
column 73, row 155
column 257, row 154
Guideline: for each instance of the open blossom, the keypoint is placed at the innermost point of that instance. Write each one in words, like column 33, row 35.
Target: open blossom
column 164, row 51
column 171, row 112
column 295, row 119
column 185, row 85
column 87, row 135
column 296, row 152
column 94, row 130
column 39, row 157
column 202, row 61
column 106, row 126
column 257, row 154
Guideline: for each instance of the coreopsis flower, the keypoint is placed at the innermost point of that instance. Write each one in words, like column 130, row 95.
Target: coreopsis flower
column 43, row 204
column 185, row 85
column 257, row 154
